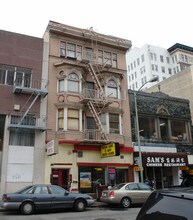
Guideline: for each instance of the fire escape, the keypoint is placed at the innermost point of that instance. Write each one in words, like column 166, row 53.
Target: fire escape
column 23, row 118
column 96, row 100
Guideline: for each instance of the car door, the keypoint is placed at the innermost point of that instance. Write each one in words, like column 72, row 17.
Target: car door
column 145, row 191
column 60, row 197
column 41, row 197
column 132, row 191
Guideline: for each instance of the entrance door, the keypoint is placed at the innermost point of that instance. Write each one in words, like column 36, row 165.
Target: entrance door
column 61, row 178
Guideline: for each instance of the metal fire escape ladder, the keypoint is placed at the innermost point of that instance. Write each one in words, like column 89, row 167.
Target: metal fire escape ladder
column 96, row 112
column 29, row 108
column 96, row 80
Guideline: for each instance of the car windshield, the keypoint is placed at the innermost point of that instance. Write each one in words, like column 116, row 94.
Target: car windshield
column 119, row 186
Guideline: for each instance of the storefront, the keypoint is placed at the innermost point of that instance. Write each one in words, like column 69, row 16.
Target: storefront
column 93, row 175
column 164, row 169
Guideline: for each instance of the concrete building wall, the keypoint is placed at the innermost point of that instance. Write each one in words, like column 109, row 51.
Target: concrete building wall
column 21, row 165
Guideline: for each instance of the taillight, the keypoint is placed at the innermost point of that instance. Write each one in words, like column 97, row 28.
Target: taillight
column 112, row 193
column 7, row 199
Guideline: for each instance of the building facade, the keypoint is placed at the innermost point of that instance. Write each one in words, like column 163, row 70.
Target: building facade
column 148, row 61
column 89, row 135
column 165, row 133
column 180, row 86
column 22, row 113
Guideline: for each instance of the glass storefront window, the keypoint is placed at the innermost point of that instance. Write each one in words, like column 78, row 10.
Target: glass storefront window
column 178, row 131
column 90, row 178
column 147, row 128
column 163, row 126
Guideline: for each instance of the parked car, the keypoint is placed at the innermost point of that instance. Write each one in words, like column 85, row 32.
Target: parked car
column 169, row 204
column 126, row 194
column 35, row 197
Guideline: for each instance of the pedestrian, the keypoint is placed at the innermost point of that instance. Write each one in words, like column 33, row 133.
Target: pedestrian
column 147, row 181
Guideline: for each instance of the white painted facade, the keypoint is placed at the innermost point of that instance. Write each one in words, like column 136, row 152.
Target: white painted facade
column 148, row 61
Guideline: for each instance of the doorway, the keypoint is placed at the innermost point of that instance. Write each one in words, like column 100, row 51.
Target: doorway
column 61, row 178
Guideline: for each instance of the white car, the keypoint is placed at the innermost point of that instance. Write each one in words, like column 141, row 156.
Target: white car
column 126, row 194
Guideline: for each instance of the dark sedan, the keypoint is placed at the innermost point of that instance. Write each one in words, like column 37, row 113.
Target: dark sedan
column 37, row 197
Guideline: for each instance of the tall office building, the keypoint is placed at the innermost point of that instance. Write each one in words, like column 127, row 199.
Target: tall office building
column 148, row 61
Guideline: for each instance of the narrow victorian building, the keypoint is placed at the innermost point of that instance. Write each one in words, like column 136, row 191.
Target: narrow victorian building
column 23, row 87
column 164, row 134
column 89, row 136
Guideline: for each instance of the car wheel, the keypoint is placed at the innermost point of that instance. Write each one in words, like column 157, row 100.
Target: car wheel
column 126, row 202
column 27, row 208
column 80, row 205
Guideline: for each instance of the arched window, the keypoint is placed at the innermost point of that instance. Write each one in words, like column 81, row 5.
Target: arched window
column 112, row 89
column 73, row 82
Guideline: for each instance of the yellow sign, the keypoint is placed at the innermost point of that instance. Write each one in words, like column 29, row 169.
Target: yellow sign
column 108, row 150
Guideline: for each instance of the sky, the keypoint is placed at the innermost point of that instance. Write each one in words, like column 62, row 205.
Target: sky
column 157, row 22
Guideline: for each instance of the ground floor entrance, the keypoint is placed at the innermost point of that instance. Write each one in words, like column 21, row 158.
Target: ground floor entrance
column 60, row 177
column 92, row 177
column 161, row 177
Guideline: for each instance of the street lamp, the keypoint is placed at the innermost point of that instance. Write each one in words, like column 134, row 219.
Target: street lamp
column 154, row 79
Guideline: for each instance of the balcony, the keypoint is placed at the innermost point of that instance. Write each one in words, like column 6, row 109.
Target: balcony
column 97, row 96
column 27, row 86
column 29, row 121
column 94, row 135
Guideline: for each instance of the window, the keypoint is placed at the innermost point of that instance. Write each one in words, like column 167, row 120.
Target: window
column 114, row 123
column 147, row 128
column 8, row 74
column 73, row 119
column 155, row 57
column 142, row 58
column 100, row 56
column 138, row 62
column 73, row 82
column 156, row 68
column 151, row 56
column 79, row 52
column 89, row 53
column 161, row 58
column 170, row 71
column 60, row 119
column 70, row 50
column 163, row 127
column 152, row 67
column 163, row 69
column 127, row 66
column 107, row 57
column 62, row 49
column 114, row 64
column 61, row 85
column 178, row 131
column 22, row 137
column 112, row 88
column 168, row 59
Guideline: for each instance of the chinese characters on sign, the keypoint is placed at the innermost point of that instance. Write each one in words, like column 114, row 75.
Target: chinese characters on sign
column 165, row 160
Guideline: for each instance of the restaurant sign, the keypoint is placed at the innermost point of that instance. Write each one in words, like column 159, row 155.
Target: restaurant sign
column 110, row 150
column 164, row 159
